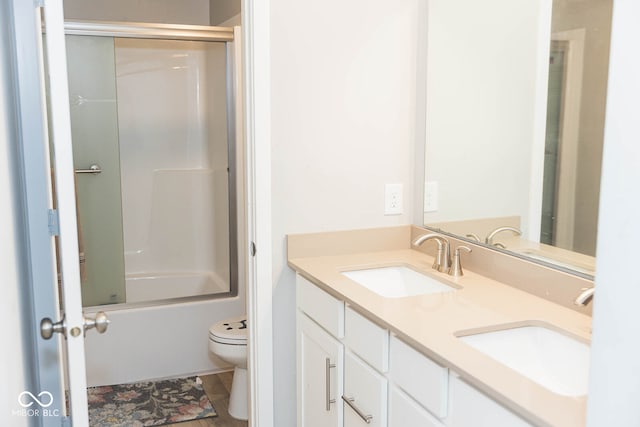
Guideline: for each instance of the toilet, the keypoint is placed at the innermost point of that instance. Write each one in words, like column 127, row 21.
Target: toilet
column 228, row 341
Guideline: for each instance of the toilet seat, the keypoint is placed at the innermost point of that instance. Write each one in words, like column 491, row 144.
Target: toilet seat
column 231, row 331
column 228, row 342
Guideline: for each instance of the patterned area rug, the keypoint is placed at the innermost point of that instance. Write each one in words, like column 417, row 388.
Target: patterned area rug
column 148, row 403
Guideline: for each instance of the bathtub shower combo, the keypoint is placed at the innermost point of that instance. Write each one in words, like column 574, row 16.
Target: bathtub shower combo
column 153, row 118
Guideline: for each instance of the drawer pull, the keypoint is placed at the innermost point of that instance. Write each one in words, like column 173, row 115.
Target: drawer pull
column 350, row 401
column 327, row 373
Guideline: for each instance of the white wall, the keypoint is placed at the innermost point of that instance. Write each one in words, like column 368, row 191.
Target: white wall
column 223, row 10
column 614, row 389
column 159, row 11
column 343, row 120
column 481, row 89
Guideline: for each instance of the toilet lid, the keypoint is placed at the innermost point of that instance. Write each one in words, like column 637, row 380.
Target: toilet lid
column 230, row 331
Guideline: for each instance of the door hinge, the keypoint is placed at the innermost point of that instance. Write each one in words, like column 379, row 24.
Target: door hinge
column 54, row 225
column 253, row 249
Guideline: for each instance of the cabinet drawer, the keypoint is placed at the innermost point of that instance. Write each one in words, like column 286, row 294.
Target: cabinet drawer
column 405, row 412
column 367, row 340
column 326, row 310
column 367, row 392
column 469, row 406
column 419, row 376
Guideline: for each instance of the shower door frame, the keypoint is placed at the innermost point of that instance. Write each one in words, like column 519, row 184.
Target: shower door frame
column 199, row 33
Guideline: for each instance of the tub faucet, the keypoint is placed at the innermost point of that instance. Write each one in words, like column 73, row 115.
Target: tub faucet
column 442, row 261
column 489, row 239
column 585, row 296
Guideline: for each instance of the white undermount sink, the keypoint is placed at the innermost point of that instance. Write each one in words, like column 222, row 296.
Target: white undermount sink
column 397, row 281
column 554, row 360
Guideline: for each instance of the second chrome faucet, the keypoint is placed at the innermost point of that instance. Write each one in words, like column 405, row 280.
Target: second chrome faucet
column 442, row 261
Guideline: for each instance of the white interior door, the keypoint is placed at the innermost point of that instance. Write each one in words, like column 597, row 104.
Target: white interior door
column 71, row 322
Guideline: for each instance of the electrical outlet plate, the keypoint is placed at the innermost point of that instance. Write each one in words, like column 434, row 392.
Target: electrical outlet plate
column 393, row 199
column 431, row 196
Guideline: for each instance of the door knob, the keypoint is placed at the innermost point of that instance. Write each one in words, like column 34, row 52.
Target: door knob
column 48, row 328
column 100, row 322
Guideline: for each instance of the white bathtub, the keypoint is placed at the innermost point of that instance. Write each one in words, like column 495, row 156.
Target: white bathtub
column 160, row 341
column 141, row 287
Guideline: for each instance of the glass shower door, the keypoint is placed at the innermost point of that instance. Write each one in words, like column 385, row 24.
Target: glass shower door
column 94, row 127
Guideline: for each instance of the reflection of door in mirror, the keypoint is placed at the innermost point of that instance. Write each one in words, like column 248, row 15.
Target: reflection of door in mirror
column 575, row 123
column 552, row 140
column 563, row 106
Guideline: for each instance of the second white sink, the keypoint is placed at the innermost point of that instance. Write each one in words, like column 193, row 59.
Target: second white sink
column 397, row 281
column 552, row 359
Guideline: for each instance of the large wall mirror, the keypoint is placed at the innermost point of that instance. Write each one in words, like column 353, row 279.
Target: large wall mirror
column 515, row 114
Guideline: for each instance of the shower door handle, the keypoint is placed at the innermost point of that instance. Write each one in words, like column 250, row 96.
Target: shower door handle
column 93, row 169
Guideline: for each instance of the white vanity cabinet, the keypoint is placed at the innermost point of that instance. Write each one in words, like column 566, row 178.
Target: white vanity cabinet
column 424, row 383
column 404, row 411
column 354, row 373
column 365, row 394
column 320, row 364
column 471, row 407
column 320, row 357
column 366, row 361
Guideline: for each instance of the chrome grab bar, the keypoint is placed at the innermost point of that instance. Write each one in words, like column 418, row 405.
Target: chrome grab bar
column 350, row 401
column 93, row 169
column 327, row 384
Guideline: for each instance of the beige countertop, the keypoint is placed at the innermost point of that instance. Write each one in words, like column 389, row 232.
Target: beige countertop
column 430, row 322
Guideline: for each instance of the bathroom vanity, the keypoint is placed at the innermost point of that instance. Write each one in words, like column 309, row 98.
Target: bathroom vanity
column 444, row 356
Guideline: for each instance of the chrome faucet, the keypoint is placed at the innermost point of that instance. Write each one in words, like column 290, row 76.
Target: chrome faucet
column 585, row 296
column 489, row 239
column 442, row 261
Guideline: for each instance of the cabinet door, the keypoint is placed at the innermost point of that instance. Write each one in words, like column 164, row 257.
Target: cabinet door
column 470, row 407
column 365, row 394
column 405, row 412
column 319, row 368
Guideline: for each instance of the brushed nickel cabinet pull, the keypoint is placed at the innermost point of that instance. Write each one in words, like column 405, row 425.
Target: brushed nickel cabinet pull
column 327, row 373
column 350, row 401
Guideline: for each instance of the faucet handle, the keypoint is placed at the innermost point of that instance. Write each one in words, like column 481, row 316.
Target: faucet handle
column 456, row 267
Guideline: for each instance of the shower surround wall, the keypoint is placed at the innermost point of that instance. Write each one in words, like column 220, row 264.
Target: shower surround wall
column 173, row 151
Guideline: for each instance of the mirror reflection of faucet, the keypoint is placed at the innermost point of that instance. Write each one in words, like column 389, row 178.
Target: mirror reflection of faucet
column 489, row 239
column 474, row 236
column 585, row 296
